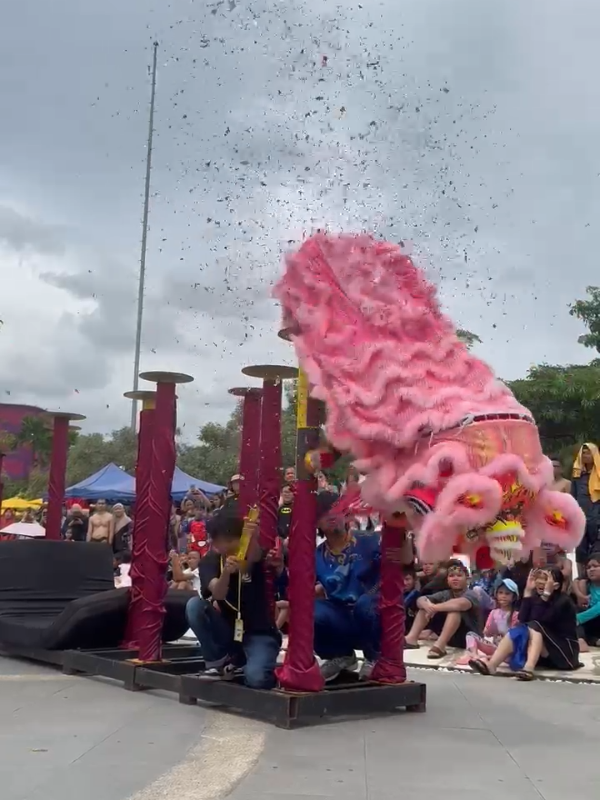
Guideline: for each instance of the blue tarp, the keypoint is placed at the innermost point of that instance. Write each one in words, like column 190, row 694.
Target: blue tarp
column 182, row 482
column 114, row 484
column 109, row 483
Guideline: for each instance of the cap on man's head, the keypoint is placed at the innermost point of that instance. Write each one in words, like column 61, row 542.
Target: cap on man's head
column 325, row 502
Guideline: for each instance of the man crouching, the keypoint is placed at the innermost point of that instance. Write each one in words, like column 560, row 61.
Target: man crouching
column 231, row 618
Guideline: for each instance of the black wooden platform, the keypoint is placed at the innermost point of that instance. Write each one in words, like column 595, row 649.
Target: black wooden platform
column 346, row 698
column 180, row 671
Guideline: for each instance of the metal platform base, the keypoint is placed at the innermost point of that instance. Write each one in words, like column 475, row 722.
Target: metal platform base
column 179, row 673
column 288, row 710
column 120, row 665
column 53, row 657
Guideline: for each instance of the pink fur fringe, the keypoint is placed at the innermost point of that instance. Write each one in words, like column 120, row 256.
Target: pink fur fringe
column 401, row 392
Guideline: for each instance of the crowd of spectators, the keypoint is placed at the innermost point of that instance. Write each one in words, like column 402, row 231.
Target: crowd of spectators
column 533, row 613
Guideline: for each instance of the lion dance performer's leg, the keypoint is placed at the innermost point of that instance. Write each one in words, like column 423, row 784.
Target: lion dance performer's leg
column 300, row 671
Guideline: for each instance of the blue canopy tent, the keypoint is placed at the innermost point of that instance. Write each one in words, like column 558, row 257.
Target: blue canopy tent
column 110, row 483
column 117, row 486
column 182, row 483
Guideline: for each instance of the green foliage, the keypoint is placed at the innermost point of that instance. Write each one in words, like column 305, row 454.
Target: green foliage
column 90, row 452
column 468, row 337
column 216, row 457
column 8, row 442
column 288, row 425
column 588, row 311
column 37, row 435
column 565, row 402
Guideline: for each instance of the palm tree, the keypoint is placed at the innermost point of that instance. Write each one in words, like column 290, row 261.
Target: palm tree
column 36, row 434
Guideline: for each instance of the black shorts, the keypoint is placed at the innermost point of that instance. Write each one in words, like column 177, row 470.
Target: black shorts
column 459, row 637
column 563, row 654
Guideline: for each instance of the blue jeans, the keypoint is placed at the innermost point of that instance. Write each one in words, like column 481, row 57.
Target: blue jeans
column 215, row 635
column 341, row 629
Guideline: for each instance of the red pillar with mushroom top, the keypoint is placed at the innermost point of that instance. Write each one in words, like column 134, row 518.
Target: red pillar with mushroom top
column 58, row 470
column 158, row 510
column 137, row 601
column 300, row 671
column 250, row 445
column 270, row 475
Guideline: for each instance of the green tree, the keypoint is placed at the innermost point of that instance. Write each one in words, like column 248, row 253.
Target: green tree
column 468, row 337
column 588, row 311
column 8, row 442
column 288, row 425
column 565, row 402
column 216, row 456
column 90, row 452
column 36, row 434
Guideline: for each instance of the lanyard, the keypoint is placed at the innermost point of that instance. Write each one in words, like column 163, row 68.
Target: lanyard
column 238, row 610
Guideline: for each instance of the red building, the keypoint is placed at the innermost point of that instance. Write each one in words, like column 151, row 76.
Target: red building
column 17, row 465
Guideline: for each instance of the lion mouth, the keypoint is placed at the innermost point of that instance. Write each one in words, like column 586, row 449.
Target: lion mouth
column 505, row 541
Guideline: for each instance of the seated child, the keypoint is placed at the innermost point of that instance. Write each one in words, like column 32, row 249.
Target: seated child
column 588, row 619
column 503, row 617
column 411, row 595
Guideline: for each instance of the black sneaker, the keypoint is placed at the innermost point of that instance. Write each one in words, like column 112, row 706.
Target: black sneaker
column 221, row 670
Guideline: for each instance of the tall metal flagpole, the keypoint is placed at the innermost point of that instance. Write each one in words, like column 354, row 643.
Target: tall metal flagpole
column 140, row 302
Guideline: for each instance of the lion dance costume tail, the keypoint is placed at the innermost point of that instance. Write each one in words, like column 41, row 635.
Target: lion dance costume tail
column 438, row 436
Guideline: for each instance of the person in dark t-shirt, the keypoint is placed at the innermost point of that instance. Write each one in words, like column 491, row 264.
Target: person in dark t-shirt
column 76, row 524
column 284, row 515
column 231, row 618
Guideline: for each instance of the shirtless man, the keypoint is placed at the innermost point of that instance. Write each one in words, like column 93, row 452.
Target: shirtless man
column 101, row 524
column 560, row 483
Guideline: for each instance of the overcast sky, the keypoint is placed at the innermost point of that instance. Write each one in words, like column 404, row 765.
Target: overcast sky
column 469, row 129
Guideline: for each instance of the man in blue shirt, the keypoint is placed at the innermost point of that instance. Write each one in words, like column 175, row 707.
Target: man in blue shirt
column 347, row 619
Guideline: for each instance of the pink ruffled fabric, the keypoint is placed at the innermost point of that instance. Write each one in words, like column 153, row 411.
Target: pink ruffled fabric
column 377, row 348
column 415, row 408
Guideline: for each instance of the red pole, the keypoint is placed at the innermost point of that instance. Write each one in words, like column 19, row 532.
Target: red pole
column 1, row 482
column 390, row 664
column 250, row 446
column 270, row 460
column 270, row 463
column 138, row 602
column 158, row 505
column 58, row 469
column 162, row 466
column 300, row 671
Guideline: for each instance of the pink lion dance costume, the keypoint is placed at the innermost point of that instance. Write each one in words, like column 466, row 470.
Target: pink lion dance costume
column 437, row 435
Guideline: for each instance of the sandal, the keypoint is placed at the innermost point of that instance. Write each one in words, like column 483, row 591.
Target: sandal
column 411, row 646
column 525, row 675
column 479, row 666
column 436, row 652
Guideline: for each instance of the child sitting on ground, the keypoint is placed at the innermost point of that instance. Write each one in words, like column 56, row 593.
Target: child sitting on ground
column 588, row 619
column 411, row 595
column 503, row 617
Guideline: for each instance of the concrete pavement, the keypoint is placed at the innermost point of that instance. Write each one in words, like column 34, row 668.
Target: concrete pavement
column 67, row 738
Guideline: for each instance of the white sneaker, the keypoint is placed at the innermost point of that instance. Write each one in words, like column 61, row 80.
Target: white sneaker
column 333, row 668
column 365, row 671
column 216, row 670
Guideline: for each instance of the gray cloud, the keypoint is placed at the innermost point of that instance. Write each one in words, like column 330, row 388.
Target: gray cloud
column 20, row 232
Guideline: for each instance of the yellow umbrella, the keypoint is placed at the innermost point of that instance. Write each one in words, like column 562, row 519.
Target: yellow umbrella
column 19, row 504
